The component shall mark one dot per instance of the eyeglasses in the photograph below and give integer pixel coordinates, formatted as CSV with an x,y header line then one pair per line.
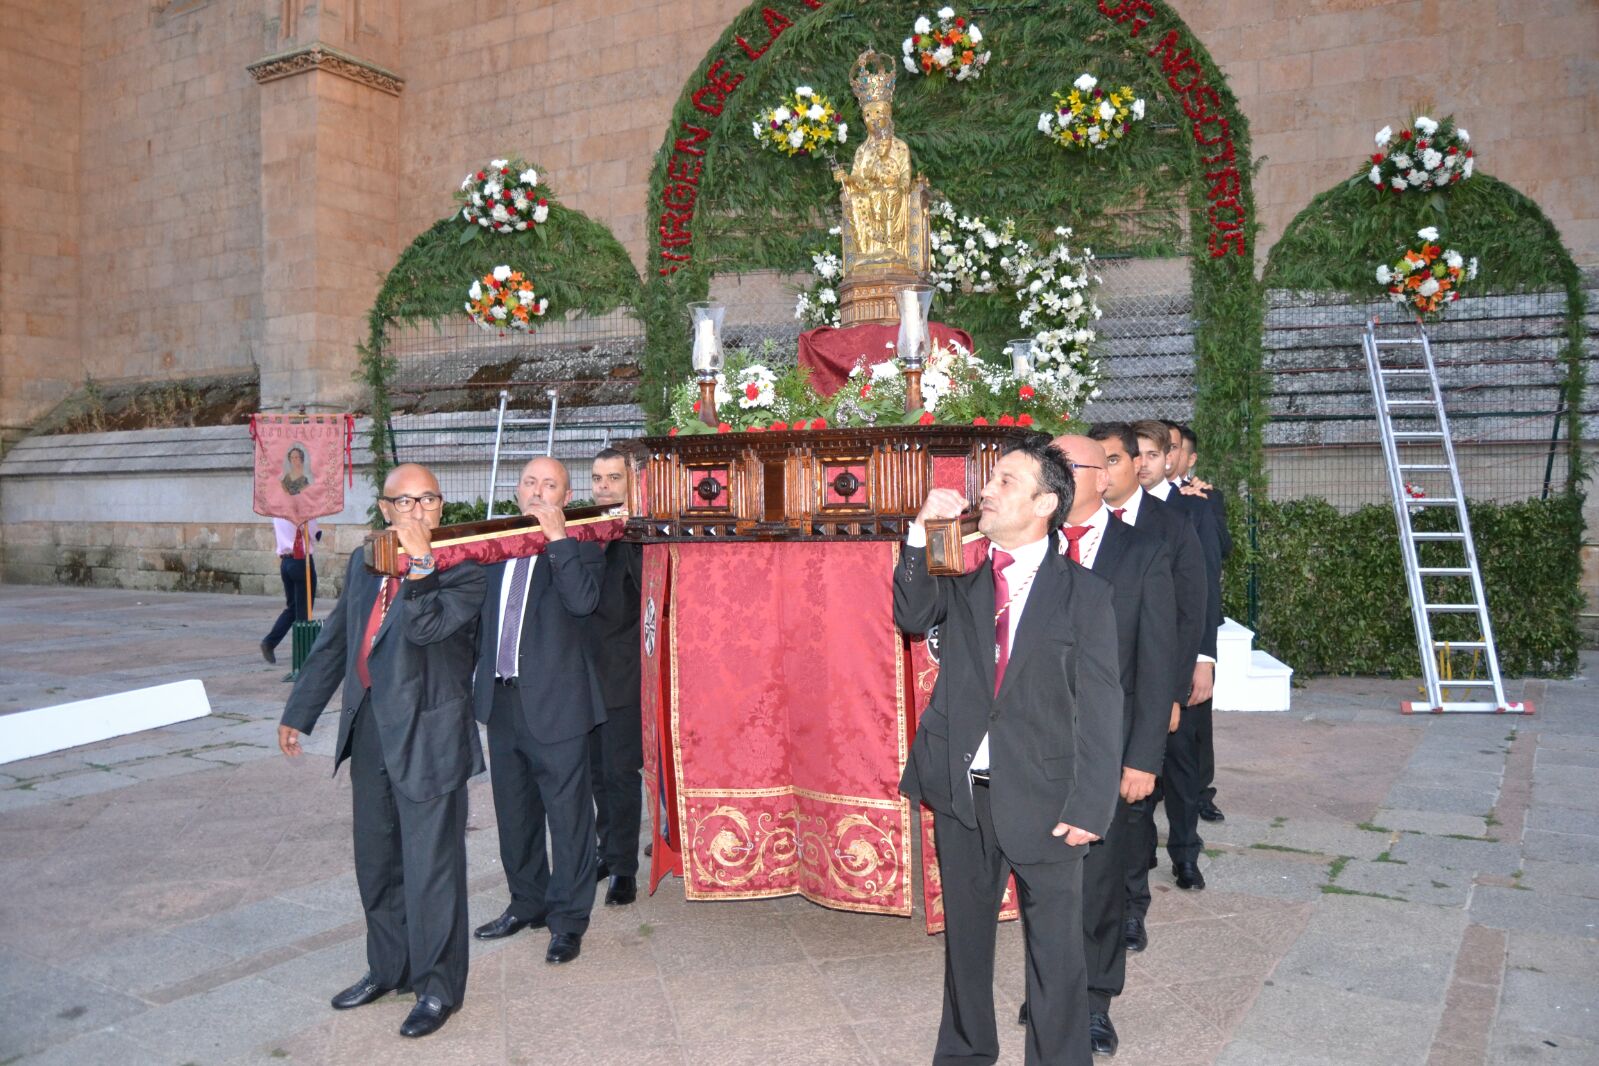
x,y
430,501
1084,466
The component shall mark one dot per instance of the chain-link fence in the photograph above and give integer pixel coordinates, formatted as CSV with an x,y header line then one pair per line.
x,y
447,386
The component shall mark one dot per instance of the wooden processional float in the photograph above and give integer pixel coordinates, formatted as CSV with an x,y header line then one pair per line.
x,y
493,540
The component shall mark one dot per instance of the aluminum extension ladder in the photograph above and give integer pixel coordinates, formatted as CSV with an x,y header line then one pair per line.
x,y
501,421
1409,390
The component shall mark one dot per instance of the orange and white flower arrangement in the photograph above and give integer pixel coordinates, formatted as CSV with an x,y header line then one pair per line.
x,y
502,197
950,48
1427,278
504,300
1428,155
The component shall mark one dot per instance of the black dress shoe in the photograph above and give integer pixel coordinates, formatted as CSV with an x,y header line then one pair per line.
x,y
361,993
1209,812
504,926
1022,1016
1188,875
428,1016
1101,1034
1134,934
268,653
564,947
602,871
623,890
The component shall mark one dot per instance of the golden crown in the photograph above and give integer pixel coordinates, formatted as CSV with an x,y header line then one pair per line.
x,y
872,78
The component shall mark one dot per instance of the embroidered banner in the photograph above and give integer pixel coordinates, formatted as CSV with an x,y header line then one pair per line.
x,y
660,788
301,463
788,724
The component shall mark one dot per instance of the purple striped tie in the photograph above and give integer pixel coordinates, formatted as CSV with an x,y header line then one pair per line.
x,y
511,623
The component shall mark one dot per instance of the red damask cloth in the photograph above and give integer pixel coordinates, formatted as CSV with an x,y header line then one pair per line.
x,y
776,725
831,351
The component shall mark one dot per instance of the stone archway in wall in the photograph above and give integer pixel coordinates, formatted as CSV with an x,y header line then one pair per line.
x,y
1179,187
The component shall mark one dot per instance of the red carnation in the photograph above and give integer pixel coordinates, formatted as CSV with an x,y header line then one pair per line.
x,y
1026,392
754,429
696,407
1024,419
723,427
979,421
960,22
926,419
866,391
1377,157
1404,135
480,175
776,427
505,170
1421,144
1006,420
1451,150
541,201
818,423
916,38
751,391
672,432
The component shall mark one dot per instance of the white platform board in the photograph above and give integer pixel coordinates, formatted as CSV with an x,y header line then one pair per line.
x,y
25,734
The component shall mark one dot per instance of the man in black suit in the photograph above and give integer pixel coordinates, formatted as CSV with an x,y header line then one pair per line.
x,y
1183,782
1139,567
1129,502
536,690
402,650
617,746
1019,751
1185,452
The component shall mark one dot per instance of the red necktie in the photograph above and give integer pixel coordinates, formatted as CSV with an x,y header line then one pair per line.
x,y
1073,535
374,622
1118,512
1001,560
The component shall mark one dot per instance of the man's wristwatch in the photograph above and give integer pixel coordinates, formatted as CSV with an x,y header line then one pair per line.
x,y
422,567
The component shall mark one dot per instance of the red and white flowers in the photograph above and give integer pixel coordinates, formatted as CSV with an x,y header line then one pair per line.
x,y
804,123
950,49
1428,155
502,197
1091,117
1428,277
505,300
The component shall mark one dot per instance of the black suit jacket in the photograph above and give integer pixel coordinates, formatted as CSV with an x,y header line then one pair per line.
x,y
1218,509
558,689
1138,567
1201,514
1054,729
1188,582
616,622
421,673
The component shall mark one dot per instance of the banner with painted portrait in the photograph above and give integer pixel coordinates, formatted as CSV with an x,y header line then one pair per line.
x,y
301,464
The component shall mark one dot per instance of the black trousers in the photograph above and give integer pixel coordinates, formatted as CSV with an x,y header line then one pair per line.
x,y
1183,779
296,597
545,807
1139,852
973,870
410,864
1207,756
1105,871
616,766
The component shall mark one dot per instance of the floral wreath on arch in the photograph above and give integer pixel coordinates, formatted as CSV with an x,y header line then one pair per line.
x,y
1054,288
502,197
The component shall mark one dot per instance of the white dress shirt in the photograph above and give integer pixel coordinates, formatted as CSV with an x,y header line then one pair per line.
x,y
1161,490
1025,561
1129,509
1088,545
505,594
285,530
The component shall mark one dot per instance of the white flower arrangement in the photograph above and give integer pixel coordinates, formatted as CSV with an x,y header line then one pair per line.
x,y
502,198
1424,156
950,48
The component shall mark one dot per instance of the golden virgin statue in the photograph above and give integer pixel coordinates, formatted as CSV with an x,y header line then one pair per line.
x,y
885,205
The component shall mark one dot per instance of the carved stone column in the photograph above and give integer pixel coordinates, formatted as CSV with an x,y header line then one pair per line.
x,y
329,182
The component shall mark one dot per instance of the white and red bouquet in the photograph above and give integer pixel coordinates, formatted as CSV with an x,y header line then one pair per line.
x,y
502,197
1428,155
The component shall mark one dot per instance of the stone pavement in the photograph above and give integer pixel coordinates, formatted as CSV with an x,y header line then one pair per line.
x,y
1385,890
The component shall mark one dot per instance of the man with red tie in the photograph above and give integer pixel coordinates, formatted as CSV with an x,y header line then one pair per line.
x,y
1018,752
402,648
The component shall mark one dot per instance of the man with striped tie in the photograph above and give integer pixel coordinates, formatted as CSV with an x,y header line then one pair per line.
x,y
537,691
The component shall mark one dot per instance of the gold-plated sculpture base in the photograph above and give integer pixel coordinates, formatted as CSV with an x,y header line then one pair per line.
x,y
873,298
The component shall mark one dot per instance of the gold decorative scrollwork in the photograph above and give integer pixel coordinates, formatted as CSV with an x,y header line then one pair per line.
x,y
728,851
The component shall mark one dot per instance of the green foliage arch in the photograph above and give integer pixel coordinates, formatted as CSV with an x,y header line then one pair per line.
x,y
573,260
978,144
